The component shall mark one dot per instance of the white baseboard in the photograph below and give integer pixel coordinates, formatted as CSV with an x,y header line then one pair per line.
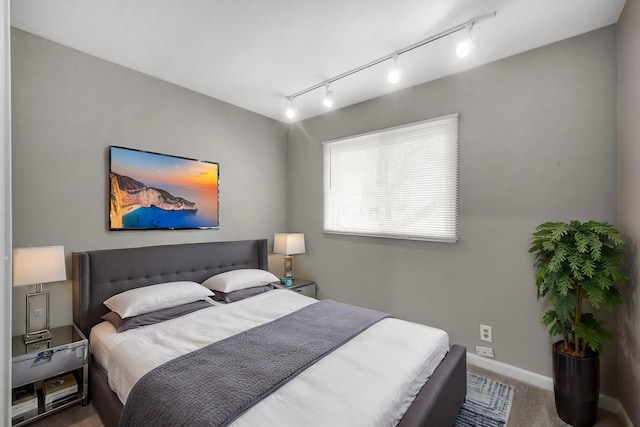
x,y
605,402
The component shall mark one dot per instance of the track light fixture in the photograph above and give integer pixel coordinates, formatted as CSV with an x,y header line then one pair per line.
x,y
465,46
328,97
291,110
394,75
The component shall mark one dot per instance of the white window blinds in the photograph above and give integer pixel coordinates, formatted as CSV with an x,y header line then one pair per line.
x,y
399,183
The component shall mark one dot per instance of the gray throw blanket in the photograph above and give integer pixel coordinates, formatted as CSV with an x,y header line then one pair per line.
x,y
214,385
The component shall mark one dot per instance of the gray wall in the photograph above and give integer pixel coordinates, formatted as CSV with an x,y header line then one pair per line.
x,y
68,108
629,203
537,143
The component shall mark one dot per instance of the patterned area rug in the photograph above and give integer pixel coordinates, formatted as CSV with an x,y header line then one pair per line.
x,y
488,403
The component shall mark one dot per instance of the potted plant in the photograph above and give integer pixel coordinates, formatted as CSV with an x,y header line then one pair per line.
x,y
577,262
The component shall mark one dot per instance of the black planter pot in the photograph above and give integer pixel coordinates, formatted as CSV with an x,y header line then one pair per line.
x,y
576,385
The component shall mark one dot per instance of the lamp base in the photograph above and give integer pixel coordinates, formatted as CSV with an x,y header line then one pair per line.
x,y
288,267
36,337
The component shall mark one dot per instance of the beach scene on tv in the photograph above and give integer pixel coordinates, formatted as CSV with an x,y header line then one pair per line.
x,y
158,191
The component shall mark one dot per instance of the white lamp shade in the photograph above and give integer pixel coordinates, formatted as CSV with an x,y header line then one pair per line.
x,y
288,243
38,265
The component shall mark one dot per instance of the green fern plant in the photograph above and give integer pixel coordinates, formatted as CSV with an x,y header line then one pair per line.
x,y
578,261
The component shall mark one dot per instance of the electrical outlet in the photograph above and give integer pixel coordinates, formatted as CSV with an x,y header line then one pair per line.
x,y
486,333
484,351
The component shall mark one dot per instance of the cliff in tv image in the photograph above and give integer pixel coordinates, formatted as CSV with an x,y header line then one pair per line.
x,y
127,195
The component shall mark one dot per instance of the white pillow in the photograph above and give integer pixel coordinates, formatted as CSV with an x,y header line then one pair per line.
x,y
156,297
235,280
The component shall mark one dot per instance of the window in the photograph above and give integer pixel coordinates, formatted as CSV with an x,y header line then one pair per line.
x,y
400,182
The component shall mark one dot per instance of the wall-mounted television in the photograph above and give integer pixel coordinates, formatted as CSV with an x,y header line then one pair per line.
x,y
153,191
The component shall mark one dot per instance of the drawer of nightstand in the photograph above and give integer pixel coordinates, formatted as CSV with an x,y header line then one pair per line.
x,y
30,367
309,290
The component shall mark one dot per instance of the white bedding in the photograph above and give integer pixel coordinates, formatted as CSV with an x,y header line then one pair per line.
x,y
371,380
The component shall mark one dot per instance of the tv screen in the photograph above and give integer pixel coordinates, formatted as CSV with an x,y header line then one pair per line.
x,y
150,191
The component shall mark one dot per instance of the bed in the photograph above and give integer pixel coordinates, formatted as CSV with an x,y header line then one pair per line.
x,y
98,275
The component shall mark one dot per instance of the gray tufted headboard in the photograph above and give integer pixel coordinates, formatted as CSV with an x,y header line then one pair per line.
x,y
97,275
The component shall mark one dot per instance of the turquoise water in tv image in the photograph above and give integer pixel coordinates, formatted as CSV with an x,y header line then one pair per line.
x,y
152,217
158,218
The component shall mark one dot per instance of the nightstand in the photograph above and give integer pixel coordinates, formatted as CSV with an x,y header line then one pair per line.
x,y
35,363
301,286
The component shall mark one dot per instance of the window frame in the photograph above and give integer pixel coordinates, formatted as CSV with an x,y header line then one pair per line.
x,y
380,140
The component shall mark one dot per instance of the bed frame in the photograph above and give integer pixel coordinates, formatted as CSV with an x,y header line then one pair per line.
x,y
97,275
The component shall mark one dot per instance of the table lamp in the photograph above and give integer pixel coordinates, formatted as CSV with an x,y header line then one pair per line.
x,y
288,244
37,266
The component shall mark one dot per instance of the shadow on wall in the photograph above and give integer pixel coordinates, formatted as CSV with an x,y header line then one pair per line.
x,y
630,318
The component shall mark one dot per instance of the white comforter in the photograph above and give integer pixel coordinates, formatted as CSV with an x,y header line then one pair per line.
x,y
369,381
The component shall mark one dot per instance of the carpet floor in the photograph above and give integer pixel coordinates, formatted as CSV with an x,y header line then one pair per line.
x,y
531,407
535,407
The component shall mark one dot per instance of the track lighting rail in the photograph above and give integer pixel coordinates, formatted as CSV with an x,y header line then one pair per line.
x,y
468,24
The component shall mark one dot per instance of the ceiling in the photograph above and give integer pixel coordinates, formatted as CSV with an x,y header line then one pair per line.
x,y
253,53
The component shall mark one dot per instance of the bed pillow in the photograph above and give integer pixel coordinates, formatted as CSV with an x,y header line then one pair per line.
x,y
241,294
156,297
122,325
236,280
